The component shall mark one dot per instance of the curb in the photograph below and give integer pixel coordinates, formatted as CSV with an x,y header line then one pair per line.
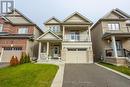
x,y
119,73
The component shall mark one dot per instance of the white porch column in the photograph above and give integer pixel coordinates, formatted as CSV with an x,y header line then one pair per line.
x,y
89,33
63,33
114,46
47,49
39,51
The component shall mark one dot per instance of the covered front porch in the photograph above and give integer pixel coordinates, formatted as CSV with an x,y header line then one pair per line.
x,y
49,46
49,50
117,50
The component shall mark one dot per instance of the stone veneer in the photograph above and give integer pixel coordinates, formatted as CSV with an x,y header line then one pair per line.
x,y
117,61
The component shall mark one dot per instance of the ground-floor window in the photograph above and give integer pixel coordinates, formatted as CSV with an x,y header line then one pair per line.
x,y
13,48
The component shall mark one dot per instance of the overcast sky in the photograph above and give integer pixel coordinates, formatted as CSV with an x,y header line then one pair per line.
x,y
41,10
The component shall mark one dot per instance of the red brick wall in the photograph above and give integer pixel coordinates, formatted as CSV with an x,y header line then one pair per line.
x,y
16,43
13,29
1,20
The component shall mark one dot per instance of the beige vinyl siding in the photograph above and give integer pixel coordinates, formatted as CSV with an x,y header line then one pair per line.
x,y
122,26
98,44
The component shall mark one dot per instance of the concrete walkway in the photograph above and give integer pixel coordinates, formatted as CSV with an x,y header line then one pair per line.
x,y
58,80
91,75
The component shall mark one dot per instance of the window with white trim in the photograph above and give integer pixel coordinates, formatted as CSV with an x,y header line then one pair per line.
x,y
74,36
1,27
54,28
23,30
114,26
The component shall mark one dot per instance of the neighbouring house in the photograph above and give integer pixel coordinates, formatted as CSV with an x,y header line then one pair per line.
x,y
111,38
69,40
17,34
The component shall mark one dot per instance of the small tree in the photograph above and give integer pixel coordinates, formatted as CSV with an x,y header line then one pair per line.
x,y
28,58
24,58
14,61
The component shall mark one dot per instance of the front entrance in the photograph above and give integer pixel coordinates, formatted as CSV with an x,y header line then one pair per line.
x,y
119,47
56,51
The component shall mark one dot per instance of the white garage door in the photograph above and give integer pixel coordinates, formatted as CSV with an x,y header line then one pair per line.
x,y
9,52
76,55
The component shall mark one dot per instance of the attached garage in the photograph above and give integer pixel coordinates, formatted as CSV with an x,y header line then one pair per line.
x,y
8,52
76,55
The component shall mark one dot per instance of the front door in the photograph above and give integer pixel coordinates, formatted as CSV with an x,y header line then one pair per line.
x,y
118,44
119,48
56,51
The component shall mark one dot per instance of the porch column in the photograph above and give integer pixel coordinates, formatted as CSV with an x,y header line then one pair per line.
x,y
47,49
39,51
89,33
63,35
114,46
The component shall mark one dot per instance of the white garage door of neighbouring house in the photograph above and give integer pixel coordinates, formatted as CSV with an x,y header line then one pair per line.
x,y
76,55
9,52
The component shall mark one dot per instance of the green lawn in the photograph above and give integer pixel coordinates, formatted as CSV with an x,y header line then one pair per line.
x,y
28,75
121,69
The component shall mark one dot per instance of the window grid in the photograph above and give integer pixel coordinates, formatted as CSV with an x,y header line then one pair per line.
x,y
1,27
114,26
23,30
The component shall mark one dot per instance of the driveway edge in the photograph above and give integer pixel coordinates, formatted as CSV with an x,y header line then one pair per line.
x,y
121,74
58,80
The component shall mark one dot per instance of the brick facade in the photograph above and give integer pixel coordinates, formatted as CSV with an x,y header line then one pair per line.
x,y
15,42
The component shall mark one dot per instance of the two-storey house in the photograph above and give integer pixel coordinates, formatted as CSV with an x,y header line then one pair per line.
x,y
68,40
111,37
17,35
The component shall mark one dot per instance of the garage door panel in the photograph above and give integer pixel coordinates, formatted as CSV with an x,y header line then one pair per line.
x,y
76,56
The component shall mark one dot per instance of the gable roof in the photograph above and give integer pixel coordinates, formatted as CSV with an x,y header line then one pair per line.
x,y
17,18
118,12
55,21
121,13
42,36
78,14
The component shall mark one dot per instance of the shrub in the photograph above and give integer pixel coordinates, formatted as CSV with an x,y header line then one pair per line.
x,y
14,61
24,58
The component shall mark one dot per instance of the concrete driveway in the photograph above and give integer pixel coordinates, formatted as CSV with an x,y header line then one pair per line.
x,y
91,75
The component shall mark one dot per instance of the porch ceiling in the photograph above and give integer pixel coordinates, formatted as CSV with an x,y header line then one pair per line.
x,y
118,35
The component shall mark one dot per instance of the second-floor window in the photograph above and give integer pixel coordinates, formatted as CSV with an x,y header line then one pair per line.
x,y
114,26
1,27
23,30
74,36
55,28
